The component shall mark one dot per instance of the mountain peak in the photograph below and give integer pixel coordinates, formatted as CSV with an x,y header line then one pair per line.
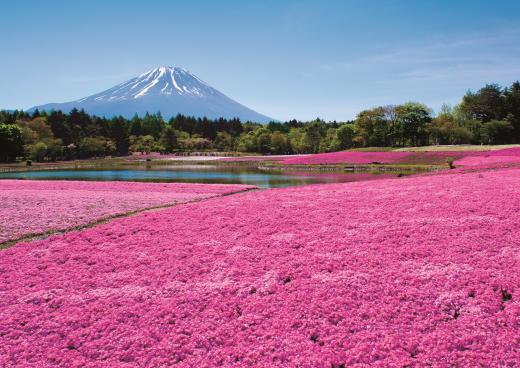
x,y
170,90
164,69
163,80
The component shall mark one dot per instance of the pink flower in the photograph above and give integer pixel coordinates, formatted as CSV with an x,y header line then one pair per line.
x,y
35,207
415,271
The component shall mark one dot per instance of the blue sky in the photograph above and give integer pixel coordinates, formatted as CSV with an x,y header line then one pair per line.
x,y
286,59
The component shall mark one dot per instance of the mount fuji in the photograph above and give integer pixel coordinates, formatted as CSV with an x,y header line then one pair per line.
x,y
170,90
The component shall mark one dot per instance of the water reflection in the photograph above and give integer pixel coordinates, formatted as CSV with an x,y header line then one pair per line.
x,y
199,174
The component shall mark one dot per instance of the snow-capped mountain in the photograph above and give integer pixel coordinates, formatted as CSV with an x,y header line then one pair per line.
x,y
170,90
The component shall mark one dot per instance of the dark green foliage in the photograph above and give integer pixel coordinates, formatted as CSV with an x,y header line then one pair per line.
x,y
169,139
153,125
496,132
344,137
485,105
11,142
118,132
512,105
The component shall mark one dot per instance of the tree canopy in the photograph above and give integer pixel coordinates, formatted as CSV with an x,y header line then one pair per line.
x,y
489,116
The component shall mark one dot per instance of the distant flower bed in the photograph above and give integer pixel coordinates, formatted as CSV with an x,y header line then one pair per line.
x,y
344,177
361,158
138,156
404,272
514,151
395,157
366,158
261,158
33,207
488,159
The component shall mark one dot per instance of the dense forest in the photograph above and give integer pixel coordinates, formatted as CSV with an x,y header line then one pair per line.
x,y
488,116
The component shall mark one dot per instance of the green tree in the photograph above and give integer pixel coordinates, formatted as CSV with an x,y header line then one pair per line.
x,y
143,144
224,141
512,97
372,127
275,126
119,135
344,137
496,132
314,132
169,139
195,143
11,142
279,143
489,103
412,120
39,126
29,135
136,126
246,142
95,146
448,128
54,148
328,141
298,142
38,151
153,125
263,140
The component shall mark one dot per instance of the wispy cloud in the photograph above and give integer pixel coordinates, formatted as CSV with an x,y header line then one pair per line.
x,y
492,56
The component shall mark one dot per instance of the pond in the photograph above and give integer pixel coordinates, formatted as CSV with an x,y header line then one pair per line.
x,y
199,174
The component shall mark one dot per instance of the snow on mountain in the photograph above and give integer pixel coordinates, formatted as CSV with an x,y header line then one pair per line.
x,y
170,90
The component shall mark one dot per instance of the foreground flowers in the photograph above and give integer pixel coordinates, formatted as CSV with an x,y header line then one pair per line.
x,y
400,272
35,207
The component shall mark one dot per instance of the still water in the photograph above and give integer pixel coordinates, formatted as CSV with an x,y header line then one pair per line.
x,y
198,174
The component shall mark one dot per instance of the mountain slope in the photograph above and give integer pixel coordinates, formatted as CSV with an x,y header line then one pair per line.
x,y
170,90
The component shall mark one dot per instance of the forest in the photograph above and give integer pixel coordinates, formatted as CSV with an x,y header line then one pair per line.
x,y
489,116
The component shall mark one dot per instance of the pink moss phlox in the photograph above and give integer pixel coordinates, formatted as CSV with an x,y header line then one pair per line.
x,y
31,207
411,272
497,158
347,157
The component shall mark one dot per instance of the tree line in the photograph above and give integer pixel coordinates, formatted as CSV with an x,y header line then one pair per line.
x,y
489,116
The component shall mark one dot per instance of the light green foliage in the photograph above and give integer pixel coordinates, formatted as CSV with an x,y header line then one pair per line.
x,y
224,141
298,141
143,144
195,143
38,151
279,143
95,146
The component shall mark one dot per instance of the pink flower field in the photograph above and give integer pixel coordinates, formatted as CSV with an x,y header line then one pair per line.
x,y
487,160
361,158
366,158
258,158
413,272
505,157
463,158
35,207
